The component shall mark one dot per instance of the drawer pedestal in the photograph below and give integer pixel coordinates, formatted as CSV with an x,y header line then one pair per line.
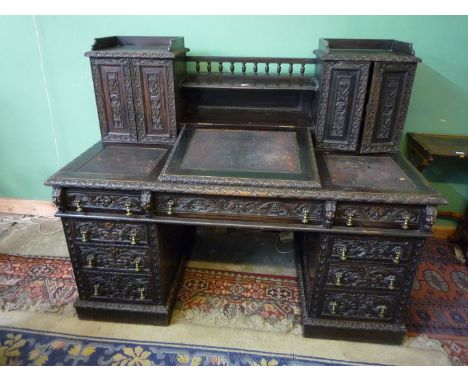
x,y
126,271
355,286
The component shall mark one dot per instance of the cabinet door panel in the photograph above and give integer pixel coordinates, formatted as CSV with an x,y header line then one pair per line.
x,y
154,93
388,103
341,105
114,99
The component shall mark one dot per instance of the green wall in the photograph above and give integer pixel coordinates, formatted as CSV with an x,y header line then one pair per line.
x,y
47,108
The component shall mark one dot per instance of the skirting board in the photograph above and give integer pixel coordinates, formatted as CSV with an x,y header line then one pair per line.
x,y
44,208
27,207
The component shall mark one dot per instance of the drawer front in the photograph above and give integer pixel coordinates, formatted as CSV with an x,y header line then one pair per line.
x,y
240,208
378,215
104,231
371,248
108,286
365,276
111,202
360,306
102,257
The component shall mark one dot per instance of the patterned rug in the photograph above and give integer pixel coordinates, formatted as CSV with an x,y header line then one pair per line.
x,y
26,347
438,306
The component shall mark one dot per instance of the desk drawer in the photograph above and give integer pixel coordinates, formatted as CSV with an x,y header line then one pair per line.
x,y
134,234
117,287
83,200
378,215
240,208
122,258
391,250
366,276
360,306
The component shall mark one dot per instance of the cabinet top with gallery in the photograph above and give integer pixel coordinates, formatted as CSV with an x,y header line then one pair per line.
x,y
137,46
366,49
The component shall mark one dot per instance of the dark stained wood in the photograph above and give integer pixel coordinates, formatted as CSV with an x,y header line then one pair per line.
x,y
244,157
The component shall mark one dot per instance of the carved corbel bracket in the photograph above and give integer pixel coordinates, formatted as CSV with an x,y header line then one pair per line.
x,y
58,198
146,202
329,213
428,218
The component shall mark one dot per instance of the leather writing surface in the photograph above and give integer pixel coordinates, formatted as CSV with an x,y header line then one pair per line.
x,y
243,150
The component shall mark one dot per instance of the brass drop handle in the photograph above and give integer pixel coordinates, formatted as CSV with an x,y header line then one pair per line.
x,y
142,293
77,204
391,282
170,205
338,277
90,261
305,215
84,234
96,289
133,237
406,220
333,307
398,253
128,208
382,311
343,252
349,221
137,265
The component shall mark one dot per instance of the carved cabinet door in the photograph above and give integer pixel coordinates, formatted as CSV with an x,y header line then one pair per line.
x,y
114,99
387,106
154,100
344,85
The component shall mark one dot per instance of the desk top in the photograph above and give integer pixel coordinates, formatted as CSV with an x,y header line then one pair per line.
x,y
382,178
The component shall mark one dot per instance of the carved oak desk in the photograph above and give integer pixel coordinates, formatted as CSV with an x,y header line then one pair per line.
x,y
184,145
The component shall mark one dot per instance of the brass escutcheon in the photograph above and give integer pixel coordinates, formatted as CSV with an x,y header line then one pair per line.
x,y
77,204
343,252
406,220
96,290
170,205
137,265
84,234
398,253
90,261
391,282
305,215
349,222
338,276
133,237
333,307
128,207
382,311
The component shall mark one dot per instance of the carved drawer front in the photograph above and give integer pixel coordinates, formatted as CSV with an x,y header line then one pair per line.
x,y
365,276
239,208
108,286
104,231
371,248
114,98
89,200
102,257
378,215
361,306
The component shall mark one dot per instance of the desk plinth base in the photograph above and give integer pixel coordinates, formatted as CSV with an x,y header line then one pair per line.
x,y
352,331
